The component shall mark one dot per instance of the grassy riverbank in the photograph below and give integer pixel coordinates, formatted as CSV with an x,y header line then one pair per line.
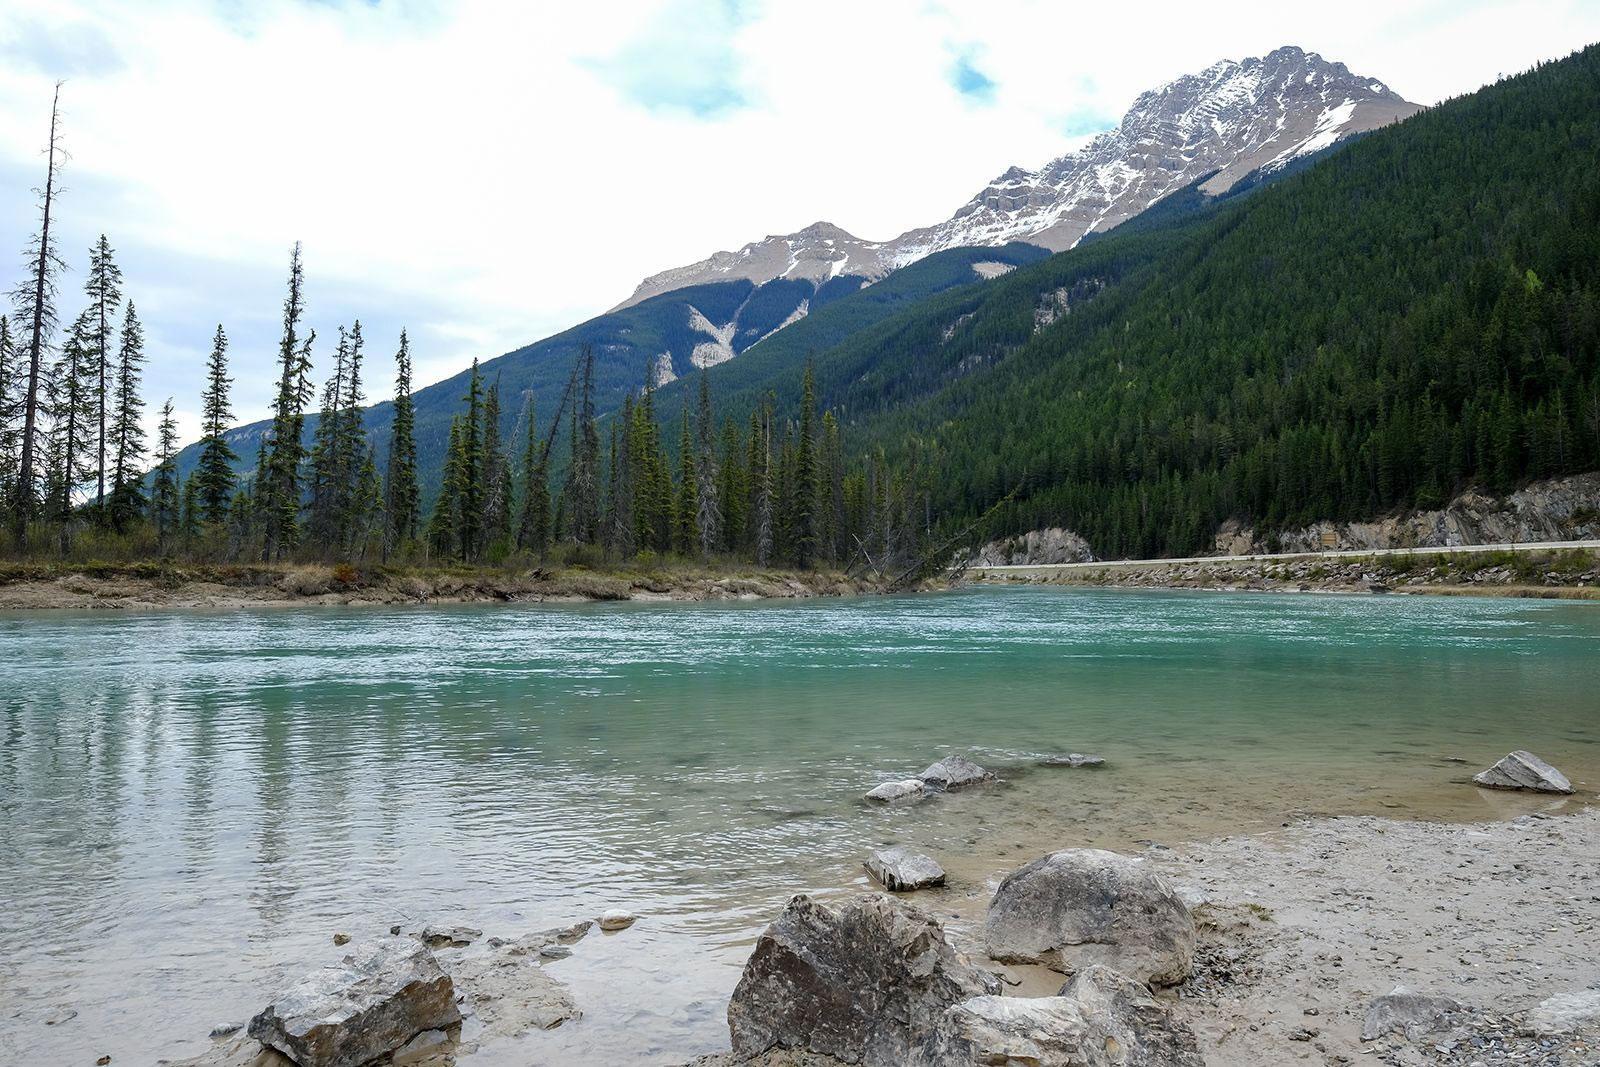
x,y
154,584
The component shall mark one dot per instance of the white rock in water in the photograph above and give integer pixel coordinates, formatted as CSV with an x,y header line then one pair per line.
x,y
1073,759
901,870
366,1007
1084,906
905,789
955,772
1524,770
617,919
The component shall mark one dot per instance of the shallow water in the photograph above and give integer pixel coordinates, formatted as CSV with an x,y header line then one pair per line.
x,y
191,803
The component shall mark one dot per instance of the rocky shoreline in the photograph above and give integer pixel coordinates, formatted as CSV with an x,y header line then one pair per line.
x,y
1328,941
1568,575
144,586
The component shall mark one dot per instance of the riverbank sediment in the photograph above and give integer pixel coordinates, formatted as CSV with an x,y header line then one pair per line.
x,y
162,585
1572,574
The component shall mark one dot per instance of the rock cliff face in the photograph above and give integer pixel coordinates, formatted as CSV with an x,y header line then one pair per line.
x,y
1561,509
1054,545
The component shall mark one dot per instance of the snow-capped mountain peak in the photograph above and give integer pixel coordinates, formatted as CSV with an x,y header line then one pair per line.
x,y
1227,121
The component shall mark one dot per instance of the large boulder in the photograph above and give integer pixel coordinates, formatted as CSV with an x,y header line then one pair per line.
x,y
901,870
372,1003
1412,1014
1524,770
1084,906
864,983
954,772
1099,1019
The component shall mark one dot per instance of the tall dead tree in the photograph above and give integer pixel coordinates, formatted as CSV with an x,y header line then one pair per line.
x,y
35,301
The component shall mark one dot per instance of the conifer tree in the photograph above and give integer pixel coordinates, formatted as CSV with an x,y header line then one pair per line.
x,y
444,525
36,318
708,515
215,467
761,479
279,481
470,514
496,476
104,288
622,528
127,428
71,406
368,521
533,527
8,413
164,503
804,475
401,492
686,531
732,493
586,459
329,490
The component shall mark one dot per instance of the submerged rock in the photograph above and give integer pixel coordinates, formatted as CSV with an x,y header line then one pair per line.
x,y
1524,770
1099,1019
449,936
865,983
512,994
955,772
905,789
1072,759
1084,906
365,1007
1412,1014
901,870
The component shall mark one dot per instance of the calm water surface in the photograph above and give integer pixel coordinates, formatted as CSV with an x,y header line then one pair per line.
x,y
192,803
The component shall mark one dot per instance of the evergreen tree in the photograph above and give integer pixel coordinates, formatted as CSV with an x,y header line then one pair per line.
x,y
164,504
708,515
9,406
533,527
686,530
496,476
190,512
804,489
36,317
368,521
761,480
215,467
732,491
70,402
401,492
279,481
104,289
330,489
444,525
622,527
470,509
585,459
127,428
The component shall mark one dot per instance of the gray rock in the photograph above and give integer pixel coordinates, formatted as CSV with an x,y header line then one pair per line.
x,y
865,983
511,994
1566,1012
901,870
955,772
905,789
355,1011
1524,770
1099,1019
1084,906
1072,759
449,936
1412,1014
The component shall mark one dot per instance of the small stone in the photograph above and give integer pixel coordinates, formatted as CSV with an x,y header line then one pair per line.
x,y
1523,770
905,789
102,1061
901,870
394,931
554,952
341,939
225,1030
617,919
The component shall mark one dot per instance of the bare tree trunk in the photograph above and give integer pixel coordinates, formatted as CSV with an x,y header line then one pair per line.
x,y
41,281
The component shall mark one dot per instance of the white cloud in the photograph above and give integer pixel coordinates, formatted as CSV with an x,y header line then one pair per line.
x,y
487,174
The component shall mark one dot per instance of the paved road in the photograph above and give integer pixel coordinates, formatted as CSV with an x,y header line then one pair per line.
x,y
1286,557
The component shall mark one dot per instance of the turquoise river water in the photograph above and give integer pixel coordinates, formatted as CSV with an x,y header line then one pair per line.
x,y
191,803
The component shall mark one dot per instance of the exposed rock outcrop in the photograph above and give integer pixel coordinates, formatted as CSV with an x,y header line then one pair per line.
x,y
1523,770
368,1006
1084,906
864,983
901,870
1054,545
1099,1019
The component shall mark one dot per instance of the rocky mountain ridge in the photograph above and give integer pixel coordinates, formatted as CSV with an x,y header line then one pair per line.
x,y
1230,120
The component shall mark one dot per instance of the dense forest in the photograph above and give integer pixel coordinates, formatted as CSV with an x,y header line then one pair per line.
x,y
1413,313
1417,313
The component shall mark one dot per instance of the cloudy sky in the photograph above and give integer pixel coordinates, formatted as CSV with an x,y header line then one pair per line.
x,y
485,174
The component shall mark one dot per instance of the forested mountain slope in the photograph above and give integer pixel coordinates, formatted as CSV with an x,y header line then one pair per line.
x,y
1415,313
